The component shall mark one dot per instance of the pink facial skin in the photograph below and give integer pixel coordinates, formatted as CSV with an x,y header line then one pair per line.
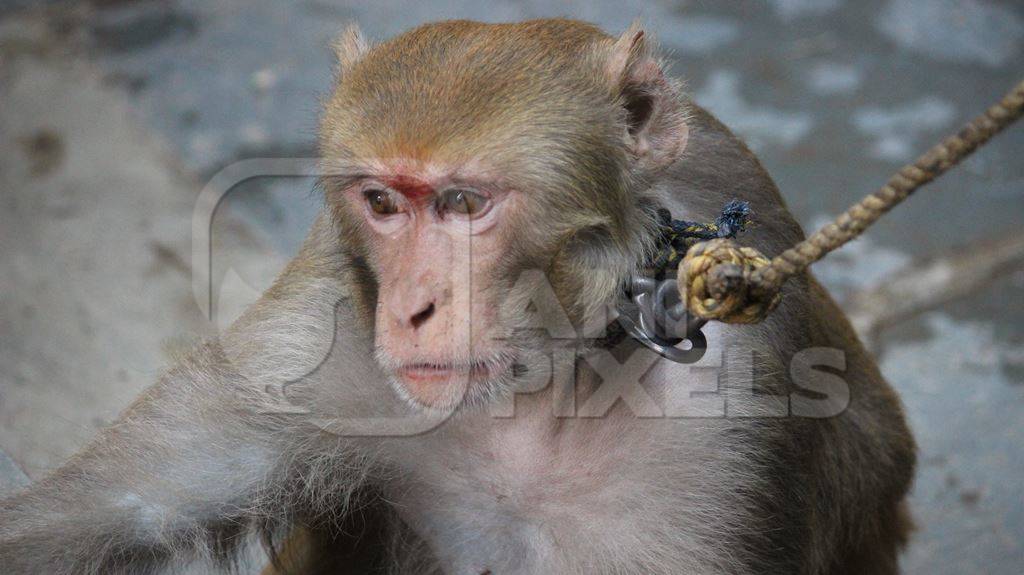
x,y
413,189
436,320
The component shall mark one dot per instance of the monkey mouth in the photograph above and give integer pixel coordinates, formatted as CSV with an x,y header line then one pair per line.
x,y
427,372
448,381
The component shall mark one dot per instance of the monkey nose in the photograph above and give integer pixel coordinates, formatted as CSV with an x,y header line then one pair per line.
x,y
419,318
413,303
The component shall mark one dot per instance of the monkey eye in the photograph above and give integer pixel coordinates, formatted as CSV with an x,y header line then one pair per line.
x,y
381,202
463,201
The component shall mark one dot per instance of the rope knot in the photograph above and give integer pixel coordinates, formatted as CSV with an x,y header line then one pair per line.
x,y
718,276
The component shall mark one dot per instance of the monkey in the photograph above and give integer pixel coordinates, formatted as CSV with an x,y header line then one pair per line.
x,y
423,388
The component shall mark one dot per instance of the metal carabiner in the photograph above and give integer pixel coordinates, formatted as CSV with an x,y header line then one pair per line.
x,y
661,321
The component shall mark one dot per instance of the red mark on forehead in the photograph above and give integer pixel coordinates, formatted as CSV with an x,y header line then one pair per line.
x,y
413,189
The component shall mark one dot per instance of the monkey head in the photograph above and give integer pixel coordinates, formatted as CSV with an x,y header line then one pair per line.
x,y
462,155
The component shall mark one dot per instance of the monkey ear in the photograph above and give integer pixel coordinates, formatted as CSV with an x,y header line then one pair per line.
x,y
656,129
351,46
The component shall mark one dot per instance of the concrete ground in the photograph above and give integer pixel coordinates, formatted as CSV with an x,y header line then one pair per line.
x,y
114,113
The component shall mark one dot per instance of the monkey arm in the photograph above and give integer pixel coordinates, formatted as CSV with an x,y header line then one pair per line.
x,y
203,455
180,470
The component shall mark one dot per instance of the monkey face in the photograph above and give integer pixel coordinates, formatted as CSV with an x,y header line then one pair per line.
x,y
470,160
434,238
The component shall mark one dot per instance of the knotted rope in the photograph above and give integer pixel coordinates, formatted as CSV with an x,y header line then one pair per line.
x,y
722,281
678,236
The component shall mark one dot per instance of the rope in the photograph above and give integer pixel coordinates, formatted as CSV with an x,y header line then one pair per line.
x,y
678,236
734,284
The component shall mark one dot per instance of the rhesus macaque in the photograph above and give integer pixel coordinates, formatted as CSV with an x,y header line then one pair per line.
x,y
418,392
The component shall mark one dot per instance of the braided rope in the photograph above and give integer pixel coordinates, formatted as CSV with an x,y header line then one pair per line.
x,y
739,285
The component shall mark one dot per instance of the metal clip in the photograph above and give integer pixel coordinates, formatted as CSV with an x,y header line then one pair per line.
x,y
657,318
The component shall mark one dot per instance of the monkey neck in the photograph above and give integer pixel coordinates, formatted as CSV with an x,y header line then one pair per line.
x,y
614,337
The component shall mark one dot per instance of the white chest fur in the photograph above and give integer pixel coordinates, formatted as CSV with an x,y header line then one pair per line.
x,y
539,494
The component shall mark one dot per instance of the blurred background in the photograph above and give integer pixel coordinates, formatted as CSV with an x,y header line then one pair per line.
x,y
115,113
